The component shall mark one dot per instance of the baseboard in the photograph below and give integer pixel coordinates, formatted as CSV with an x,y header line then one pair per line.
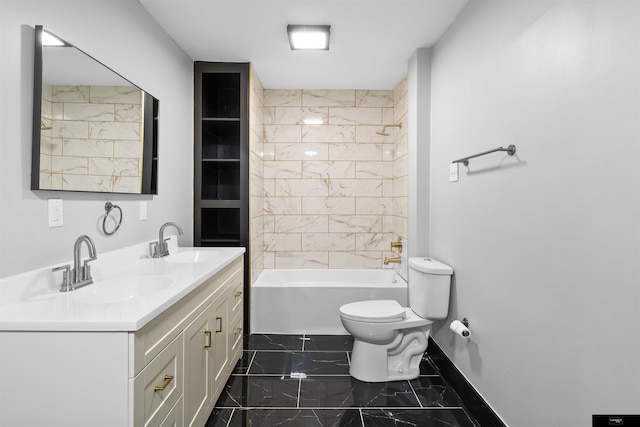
x,y
475,404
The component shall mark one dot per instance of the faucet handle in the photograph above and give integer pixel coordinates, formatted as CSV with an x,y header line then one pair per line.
x,y
397,245
86,269
153,249
66,282
164,247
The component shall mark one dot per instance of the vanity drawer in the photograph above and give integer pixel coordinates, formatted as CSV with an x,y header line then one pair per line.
x,y
158,388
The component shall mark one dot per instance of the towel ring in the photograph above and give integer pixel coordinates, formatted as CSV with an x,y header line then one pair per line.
x,y
109,207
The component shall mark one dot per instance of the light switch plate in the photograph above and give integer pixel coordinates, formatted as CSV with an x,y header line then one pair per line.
x,y
143,211
55,212
453,172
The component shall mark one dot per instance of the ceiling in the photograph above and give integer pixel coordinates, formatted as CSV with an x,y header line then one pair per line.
x,y
371,40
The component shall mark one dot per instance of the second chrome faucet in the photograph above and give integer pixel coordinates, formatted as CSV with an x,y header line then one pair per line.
x,y
161,248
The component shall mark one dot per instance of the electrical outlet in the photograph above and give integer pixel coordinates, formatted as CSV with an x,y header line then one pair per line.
x,y
143,211
55,212
453,172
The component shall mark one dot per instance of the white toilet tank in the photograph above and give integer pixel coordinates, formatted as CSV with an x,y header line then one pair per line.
x,y
429,287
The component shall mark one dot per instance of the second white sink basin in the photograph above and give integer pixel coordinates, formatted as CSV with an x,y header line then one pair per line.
x,y
122,289
192,257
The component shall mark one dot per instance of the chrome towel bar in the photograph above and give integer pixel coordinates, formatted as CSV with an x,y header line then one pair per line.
x,y
511,150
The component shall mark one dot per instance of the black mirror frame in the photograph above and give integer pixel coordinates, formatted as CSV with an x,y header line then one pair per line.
x,y
150,138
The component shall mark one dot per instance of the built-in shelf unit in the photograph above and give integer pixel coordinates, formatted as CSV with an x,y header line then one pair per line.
x,y
221,162
221,146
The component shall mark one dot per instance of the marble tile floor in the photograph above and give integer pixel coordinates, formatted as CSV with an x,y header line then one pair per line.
x,y
300,380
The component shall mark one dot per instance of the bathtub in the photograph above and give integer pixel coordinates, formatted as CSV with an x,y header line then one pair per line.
x,y
307,301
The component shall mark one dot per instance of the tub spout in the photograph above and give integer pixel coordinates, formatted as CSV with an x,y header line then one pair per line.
x,y
396,260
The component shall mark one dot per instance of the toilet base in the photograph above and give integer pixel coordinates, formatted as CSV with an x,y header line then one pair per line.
x,y
399,360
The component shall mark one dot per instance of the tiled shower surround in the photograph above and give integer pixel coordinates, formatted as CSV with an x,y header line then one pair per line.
x,y
95,140
334,191
256,172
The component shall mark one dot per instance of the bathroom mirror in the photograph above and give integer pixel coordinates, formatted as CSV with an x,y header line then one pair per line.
x,y
93,130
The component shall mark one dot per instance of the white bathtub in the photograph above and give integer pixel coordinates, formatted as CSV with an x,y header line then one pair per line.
x,y
307,301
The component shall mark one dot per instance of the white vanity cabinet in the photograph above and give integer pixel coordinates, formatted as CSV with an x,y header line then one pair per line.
x,y
170,372
197,329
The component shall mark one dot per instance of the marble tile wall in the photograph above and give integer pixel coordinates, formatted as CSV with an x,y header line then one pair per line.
x,y
400,163
333,195
95,140
256,174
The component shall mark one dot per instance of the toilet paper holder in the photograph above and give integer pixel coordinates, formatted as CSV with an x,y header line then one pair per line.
x,y
461,328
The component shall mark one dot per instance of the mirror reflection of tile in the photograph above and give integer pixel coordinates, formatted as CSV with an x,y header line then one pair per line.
x,y
92,138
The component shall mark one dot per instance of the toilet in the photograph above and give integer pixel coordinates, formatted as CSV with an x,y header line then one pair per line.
x,y
390,340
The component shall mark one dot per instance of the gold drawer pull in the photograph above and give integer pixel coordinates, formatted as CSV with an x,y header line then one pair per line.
x,y
167,380
238,331
219,321
238,293
207,339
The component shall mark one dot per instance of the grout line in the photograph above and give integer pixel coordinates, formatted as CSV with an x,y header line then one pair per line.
x,y
251,362
233,411
415,394
287,375
361,416
304,336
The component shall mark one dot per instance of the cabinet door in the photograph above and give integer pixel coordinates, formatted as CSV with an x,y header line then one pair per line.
x,y
221,342
174,419
159,386
198,357
235,342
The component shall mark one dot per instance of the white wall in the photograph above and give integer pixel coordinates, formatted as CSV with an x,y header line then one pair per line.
x,y
545,245
122,35
419,124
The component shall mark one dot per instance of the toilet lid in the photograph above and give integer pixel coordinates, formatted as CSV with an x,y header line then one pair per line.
x,y
374,311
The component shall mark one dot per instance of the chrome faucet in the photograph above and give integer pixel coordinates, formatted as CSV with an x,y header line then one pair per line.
x,y
81,274
161,248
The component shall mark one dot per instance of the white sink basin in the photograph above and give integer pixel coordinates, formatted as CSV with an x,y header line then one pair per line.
x,y
192,257
122,289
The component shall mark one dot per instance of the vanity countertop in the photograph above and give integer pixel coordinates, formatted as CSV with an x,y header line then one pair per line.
x,y
125,295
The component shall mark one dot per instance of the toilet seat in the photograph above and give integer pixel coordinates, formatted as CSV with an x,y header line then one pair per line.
x,y
375,311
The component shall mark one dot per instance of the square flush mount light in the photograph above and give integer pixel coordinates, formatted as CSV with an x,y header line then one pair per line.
x,y
309,37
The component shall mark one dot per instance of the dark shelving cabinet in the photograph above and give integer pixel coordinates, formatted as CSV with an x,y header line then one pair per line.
x,y
221,158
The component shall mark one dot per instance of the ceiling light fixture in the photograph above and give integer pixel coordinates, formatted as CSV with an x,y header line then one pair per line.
x,y
309,37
